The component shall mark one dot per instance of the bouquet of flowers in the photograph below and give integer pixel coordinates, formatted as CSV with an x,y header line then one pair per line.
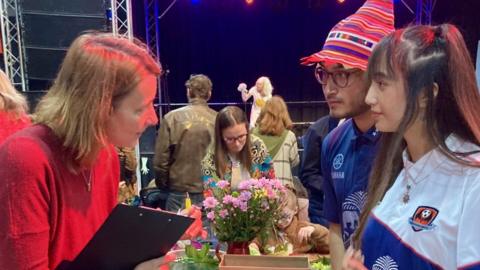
x,y
240,215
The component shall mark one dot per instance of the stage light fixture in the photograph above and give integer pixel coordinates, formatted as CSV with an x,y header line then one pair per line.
x,y
340,1
249,2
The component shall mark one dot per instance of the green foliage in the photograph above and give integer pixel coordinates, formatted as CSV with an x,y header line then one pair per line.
x,y
322,263
202,256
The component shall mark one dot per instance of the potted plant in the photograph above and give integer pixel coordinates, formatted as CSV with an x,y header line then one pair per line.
x,y
238,216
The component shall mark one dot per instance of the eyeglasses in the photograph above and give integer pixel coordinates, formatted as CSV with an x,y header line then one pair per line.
x,y
339,77
235,139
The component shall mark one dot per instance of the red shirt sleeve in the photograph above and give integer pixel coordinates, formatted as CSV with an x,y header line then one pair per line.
x,y
24,222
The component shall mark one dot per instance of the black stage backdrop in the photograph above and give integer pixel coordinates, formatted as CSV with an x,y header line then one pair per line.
x,y
233,42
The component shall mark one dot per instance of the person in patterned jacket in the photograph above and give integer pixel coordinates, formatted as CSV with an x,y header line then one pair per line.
x,y
236,154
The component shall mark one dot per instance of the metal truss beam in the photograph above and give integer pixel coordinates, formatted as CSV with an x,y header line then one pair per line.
x,y
122,18
152,31
424,10
12,41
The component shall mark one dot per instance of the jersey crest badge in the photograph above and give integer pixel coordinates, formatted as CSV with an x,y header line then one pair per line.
x,y
423,218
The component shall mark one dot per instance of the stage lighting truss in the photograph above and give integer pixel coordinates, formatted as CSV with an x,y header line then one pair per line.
x,y
12,42
151,10
423,14
423,11
122,18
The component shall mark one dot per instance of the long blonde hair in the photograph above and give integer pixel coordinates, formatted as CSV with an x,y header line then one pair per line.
x,y
274,117
98,71
11,100
267,86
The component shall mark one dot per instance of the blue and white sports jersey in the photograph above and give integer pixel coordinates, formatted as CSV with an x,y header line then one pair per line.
x,y
439,226
347,157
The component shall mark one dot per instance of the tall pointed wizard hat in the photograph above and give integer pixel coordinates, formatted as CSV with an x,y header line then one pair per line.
x,y
351,41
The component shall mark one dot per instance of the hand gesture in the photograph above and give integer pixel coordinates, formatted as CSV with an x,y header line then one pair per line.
x,y
353,260
305,233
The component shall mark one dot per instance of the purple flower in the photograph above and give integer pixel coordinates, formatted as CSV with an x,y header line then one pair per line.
x,y
245,195
210,202
223,184
228,199
243,206
223,213
211,215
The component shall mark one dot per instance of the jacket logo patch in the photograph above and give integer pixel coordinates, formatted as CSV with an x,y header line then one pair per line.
x,y
423,218
338,161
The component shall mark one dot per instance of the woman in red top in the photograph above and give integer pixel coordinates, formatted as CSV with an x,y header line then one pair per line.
x,y
13,109
60,176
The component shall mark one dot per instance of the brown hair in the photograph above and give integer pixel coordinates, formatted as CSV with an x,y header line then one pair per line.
x,y
11,100
98,71
229,117
200,86
274,117
424,56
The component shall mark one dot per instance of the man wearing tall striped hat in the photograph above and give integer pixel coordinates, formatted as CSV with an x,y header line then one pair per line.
x,y
348,151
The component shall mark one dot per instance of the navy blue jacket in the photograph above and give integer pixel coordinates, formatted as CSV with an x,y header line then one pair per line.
x,y
347,157
310,167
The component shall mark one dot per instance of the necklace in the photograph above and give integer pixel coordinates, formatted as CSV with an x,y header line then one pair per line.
x,y
88,180
408,186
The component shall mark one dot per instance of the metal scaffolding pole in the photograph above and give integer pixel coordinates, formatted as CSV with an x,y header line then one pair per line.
x,y
12,41
152,31
122,18
423,12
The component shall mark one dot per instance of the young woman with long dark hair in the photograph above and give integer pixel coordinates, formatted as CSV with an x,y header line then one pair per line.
x,y
236,154
425,184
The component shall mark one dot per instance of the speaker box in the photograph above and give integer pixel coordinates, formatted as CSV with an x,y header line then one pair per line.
x,y
50,26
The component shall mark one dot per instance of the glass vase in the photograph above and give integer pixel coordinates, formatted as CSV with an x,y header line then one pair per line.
x,y
239,248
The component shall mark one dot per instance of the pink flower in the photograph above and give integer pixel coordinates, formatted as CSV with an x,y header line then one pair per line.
x,y
236,202
223,184
246,184
277,184
228,199
211,215
263,182
210,203
270,193
223,213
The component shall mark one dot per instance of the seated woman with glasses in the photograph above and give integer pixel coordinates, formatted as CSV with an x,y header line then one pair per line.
x,y
235,155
